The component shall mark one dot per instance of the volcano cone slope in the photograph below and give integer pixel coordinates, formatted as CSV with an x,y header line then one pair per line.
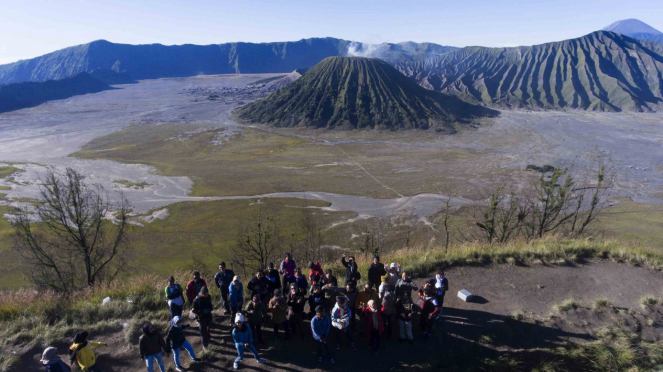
x,y
360,93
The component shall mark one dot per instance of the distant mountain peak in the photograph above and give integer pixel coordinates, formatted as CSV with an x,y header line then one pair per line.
x,y
630,27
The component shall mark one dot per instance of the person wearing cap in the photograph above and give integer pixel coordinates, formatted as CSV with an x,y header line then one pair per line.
x,y
351,271
194,286
236,297
222,279
202,308
52,362
320,327
243,340
259,286
315,275
394,273
287,269
375,272
404,285
82,351
256,311
341,316
151,347
278,306
274,278
374,324
174,297
176,340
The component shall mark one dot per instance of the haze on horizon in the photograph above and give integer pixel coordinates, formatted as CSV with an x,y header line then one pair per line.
x,y
36,27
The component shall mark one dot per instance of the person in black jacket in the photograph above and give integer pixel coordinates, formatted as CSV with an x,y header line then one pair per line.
x,y
222,279
296,302
375,271
203,307
176,340
274,278
259,286
317,298
404,312
151,346
351,272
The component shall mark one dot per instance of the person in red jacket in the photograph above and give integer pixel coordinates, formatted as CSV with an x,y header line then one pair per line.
x,y
315,275
374,324
194,287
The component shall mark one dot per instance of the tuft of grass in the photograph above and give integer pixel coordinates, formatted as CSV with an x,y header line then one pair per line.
x,y
648,300
522,316
8,362
7,171
567,305
601,304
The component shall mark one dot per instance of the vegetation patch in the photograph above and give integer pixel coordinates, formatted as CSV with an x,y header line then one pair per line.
x,y
6,171
132,185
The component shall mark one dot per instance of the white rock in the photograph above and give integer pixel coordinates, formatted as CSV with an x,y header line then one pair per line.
x,y
106,301
464,295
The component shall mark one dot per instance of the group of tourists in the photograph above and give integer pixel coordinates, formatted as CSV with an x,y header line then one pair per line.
x,y
280,297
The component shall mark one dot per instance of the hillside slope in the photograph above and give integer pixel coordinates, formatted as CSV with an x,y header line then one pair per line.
x,y
352,92
600,71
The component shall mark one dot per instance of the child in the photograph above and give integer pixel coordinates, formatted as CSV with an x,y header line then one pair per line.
x,y
429,311
341,320
374,324
256,311
389,310
51,361
404,313
81,352
176,340
151,346
243,340
317,298
441,286
236,297
320,327
296,302
278,306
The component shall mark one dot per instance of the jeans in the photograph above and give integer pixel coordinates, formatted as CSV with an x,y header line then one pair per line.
x,y
286,328
224,299
176,353
405,330
340,332
240,352
205,324
375,339
149,361
325,346
175,310
440,302
426,324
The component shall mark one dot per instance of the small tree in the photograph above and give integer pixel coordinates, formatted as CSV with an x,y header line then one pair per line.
x,y
258,242
550,204
80,239
307,240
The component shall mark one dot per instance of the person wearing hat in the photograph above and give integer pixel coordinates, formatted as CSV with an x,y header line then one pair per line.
x,y
274,278
175,297
222,279
256,311
52,362
194,286
375,272
236,297
320,327
243,340
202,308
374,324
278,306
82,351
287,269
151,346
341,316
176,340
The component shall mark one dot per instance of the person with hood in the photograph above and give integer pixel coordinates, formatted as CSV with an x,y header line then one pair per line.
x,y
274,278
194,286
429,312
383,285
243,340
256,311
176,340
300,280
287,269
351,271
236,297
222,280
202,308
315,275
317,298
350,292
174,297
278,306
404,312
320,327
393,274
82,351
341,320
404,285
52,362
374,324
296,302
375,272
259,286
151,347
363,297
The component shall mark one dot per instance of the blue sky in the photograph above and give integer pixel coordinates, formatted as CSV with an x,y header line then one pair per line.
x,y
34,27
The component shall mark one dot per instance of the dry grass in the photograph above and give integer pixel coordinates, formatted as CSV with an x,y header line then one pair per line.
x,y
566,305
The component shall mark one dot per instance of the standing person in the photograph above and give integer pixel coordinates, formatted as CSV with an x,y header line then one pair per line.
x,y
151,347
341,320
351,271
374,324
429,311
287,269
388,310
259,285
222,279
194,286
383,285
274,278
176,340
329,281
375,272
296,302
236,296
394,273
52,362
256,311
175,297
350,292
203,307
404,285
317,298
404,313
300,280
81,351
278,306
320,327
363,297
441,287
315,275
243,340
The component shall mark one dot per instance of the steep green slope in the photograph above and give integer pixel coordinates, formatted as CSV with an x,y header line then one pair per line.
x,y
352,92
600,71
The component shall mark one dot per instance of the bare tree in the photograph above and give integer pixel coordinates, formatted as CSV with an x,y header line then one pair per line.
x,y
307,241
551,204
80,239
258,242
583,219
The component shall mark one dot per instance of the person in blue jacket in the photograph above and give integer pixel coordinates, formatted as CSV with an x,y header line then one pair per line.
x,y
243,340
236,297
320,326
51,361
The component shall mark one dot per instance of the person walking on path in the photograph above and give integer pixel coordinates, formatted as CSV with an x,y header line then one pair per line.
x,y
320,327
404,313
82,351
278,306
194,286
287,269
341,320
176,340
151,347
351,271
236,297
202,308
175,297
52,362
375,272
243,340
222,280
374,324
256,311
405,285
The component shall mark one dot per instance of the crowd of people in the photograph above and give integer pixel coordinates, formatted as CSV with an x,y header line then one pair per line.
x,y
383,307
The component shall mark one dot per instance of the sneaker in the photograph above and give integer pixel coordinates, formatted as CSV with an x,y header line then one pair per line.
x,y
261,361
331,360
320,359
179,369
235,365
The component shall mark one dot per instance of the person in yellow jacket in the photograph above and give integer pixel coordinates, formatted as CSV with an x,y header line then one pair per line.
x,y
82,352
